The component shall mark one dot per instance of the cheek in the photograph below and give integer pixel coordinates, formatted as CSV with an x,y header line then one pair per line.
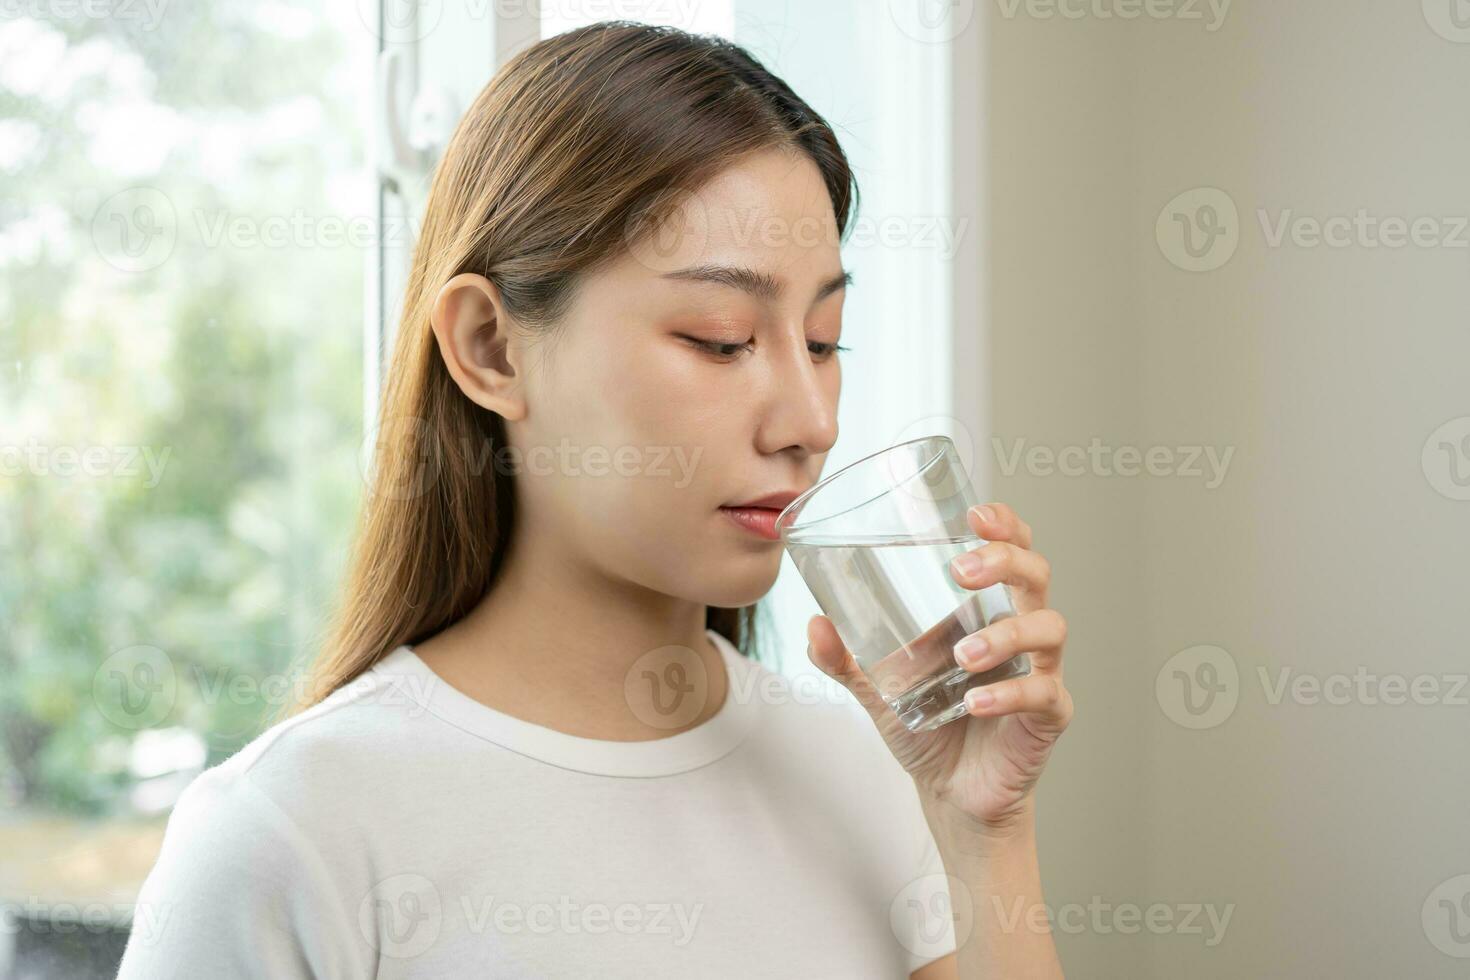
x,y
653,415
661,394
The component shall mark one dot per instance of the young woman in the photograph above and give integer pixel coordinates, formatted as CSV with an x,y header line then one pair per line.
x,y
536,744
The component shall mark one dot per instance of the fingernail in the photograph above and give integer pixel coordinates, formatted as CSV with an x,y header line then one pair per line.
x,y
971,649
984,513
968,564
980,698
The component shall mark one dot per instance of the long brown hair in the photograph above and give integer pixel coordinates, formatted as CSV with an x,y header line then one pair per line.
x,y
576,140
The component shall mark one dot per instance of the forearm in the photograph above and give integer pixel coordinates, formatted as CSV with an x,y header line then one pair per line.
x,y
1009,933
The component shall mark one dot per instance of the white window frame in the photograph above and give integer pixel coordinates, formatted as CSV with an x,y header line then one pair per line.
x,y
440,53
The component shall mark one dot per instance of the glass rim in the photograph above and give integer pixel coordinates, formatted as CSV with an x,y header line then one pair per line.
x,y
785,528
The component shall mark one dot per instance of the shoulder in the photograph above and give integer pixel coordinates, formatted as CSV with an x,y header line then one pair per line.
x,y
317,762
261,858
222,822
238,890
277,806
252,808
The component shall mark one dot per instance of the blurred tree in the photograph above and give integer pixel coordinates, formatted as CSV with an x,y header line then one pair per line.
x,y
184,212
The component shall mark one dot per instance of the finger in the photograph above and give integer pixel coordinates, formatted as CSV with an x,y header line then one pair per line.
x,y
825,648
1041,634
996,521
1001,561
830,655
1042,695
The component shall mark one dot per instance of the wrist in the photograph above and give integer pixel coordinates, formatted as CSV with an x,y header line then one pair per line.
x,y
959,831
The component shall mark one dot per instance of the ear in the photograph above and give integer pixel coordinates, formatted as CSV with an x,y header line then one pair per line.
x,y
478,347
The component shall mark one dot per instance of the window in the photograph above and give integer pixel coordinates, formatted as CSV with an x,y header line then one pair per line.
x,y
184,227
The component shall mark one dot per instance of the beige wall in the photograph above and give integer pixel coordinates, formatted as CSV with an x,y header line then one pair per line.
x,y
1328,549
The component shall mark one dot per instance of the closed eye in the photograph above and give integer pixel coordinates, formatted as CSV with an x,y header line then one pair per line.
x,y
719,348
730,351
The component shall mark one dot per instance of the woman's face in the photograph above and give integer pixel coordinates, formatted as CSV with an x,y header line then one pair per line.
x,y
695,372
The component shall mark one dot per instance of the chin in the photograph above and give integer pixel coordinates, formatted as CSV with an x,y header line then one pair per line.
x,y
743,582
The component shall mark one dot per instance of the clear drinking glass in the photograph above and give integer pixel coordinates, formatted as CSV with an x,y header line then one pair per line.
x,y
873,542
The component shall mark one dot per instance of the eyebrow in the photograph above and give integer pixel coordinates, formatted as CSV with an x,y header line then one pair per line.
x,y
761,285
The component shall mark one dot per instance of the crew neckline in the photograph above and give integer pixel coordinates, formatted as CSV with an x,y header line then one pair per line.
x,y
712,739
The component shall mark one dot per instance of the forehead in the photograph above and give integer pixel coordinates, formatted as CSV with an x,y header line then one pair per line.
x,y
768,211
772,198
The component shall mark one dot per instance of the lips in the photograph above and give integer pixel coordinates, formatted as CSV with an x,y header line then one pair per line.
x,y
758,516
774,501
757,520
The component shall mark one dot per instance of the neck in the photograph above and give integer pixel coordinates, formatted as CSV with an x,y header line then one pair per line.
x,y
555,642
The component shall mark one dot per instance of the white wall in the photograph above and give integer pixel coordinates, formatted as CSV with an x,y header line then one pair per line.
x,y
1329,549
1064,351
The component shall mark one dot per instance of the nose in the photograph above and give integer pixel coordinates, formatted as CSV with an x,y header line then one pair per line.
x,y
801,404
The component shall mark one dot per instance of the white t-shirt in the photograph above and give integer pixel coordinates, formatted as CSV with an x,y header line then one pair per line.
x,y
402,829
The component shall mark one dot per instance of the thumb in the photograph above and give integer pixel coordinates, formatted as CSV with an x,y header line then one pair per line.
x,y
830,655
